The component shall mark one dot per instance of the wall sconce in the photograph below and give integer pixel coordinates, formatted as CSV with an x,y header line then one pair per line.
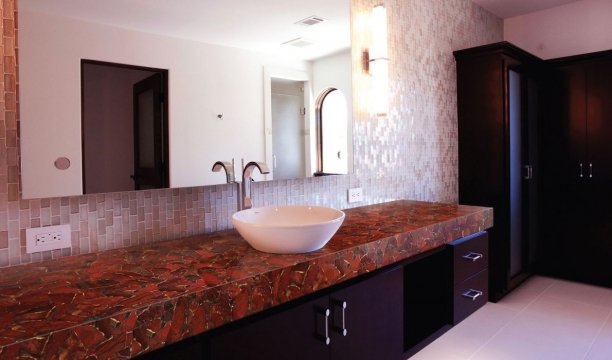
x,y
379,62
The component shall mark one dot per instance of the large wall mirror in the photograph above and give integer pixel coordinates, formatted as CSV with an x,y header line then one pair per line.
x,y
241,81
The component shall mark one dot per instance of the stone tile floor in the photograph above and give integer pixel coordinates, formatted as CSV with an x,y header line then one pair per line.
x,y
543,319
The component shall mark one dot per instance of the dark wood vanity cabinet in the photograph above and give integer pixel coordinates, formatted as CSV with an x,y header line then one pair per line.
x,y
498,89
577,154
389,314
470,258
360,321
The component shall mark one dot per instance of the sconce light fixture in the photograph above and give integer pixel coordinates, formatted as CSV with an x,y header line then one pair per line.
x,y
379,62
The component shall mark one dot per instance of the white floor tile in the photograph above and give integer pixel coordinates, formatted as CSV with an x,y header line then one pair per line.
x,y
551,334
589,294
543,319
602,346
440,350
527,292
583,316
469,335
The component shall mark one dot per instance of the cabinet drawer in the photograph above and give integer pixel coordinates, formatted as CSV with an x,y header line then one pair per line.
x,y
470,295
470,256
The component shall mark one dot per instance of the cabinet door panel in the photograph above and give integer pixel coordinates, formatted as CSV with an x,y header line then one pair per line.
x,y
596,241
574,124
564,149
373,319
592,249
290,334
470,256
465,296
599,124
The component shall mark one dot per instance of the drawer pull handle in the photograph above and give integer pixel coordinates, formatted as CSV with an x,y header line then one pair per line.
x,y
325,312
472,294
472,256
342,305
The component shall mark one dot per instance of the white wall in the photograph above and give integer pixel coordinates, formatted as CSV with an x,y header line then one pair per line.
x,y
204,80
335,71
576,28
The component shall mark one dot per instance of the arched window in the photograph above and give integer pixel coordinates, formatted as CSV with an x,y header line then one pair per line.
x,y
332,132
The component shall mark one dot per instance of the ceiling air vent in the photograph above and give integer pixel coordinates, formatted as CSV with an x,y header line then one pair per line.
x,y
311,20
299,42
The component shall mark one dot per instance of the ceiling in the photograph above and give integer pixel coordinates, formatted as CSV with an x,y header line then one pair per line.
x,y
261,25
510,8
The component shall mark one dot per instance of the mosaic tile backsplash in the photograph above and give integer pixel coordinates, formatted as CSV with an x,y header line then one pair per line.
x,y
410,154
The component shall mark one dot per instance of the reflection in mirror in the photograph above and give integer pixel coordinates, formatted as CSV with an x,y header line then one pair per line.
x,y
332,125
216,54
124,127
288,117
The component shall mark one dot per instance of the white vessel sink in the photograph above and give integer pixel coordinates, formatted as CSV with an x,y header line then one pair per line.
x,y
288,229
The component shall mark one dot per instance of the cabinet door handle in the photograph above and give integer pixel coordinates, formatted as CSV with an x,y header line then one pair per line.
x,y
325,312
590,170
581,170
472,294
342,305
472,256
528,172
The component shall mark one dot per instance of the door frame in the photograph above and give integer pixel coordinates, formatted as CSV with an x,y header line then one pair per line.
x,y
270,72
526,185
165,137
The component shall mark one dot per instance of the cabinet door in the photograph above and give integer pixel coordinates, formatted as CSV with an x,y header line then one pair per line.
x,y
596,242
565,169
373,319
577,202
295,333
599,124
483,171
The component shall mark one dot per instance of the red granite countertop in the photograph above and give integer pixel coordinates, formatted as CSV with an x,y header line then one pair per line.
x,y
124,302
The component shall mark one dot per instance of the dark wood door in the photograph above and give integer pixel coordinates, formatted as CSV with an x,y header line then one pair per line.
x,y
295,333
579,172
149,167
565,170
596,251
373,319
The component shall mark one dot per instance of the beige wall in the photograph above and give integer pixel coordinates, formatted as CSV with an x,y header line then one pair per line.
x,y
572,29
410,154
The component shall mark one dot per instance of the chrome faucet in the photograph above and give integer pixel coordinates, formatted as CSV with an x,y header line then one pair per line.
x,y
229,170
247,171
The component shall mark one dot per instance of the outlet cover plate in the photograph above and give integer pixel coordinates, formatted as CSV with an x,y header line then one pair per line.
x,y
48,238
355,195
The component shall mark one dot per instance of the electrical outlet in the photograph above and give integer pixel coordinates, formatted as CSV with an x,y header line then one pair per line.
x,y
355,195
47,238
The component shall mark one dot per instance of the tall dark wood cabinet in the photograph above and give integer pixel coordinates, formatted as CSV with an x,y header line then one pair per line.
x,y
498,89
577,153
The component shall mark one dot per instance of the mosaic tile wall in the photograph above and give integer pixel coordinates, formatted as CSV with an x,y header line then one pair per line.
x,y
411,154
